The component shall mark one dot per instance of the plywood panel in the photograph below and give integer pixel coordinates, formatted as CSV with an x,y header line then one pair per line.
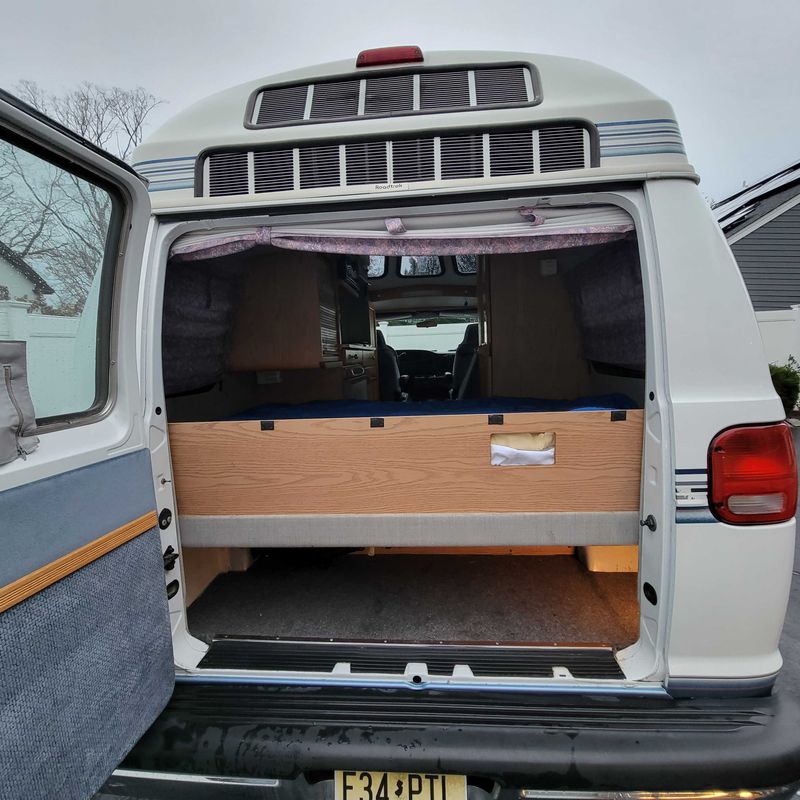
x,y
435,464
280,313
534,338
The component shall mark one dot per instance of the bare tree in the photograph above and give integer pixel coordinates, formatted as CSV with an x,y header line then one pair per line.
x,y
108,116
57,220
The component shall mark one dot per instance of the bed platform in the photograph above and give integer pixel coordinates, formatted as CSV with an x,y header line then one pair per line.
x,y
285,477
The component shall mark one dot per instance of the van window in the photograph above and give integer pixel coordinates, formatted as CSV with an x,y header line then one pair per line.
x,y
433,332
55,228
419,266
377,267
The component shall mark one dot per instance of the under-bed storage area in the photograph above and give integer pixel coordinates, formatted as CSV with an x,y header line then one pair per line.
x,y
376,445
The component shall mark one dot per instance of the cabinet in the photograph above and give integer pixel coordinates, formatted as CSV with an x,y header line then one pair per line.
x,y
286,316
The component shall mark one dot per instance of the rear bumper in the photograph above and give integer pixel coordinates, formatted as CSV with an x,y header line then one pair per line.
x,y
282,741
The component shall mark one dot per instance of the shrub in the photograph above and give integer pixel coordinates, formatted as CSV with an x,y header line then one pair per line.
x,y
786,380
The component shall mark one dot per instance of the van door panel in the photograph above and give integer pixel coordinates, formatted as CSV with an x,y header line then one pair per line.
x,y
85,645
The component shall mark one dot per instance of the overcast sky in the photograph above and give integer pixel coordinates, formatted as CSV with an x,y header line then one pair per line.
x,y
729,67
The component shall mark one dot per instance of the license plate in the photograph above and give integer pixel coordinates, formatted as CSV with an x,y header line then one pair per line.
x,y
354,785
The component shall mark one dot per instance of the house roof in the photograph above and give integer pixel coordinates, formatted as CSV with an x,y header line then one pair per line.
x,y
40,285
752,202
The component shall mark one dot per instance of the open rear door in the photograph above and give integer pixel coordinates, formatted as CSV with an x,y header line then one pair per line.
x,y
85,648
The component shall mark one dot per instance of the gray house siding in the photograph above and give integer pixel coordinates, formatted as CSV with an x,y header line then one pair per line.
x,y
769,259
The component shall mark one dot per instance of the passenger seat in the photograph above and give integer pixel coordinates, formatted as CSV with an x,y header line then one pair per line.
x,y
466,373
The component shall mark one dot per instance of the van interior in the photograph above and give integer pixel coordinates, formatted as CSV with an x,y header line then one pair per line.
x,y
408,447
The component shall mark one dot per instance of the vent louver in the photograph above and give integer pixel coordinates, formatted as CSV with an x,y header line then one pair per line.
x,y
393,94
560,148
503,85
418,92
273,171
475,156
511,152
462,156
412,160
332,100
279,106
319,166
444,90
366,163
227,174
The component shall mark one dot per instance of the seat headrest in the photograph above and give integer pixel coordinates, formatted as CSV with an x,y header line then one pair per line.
x,y
471,334
379,340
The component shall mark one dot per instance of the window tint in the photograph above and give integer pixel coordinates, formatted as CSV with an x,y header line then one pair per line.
x,y
54,232
418,266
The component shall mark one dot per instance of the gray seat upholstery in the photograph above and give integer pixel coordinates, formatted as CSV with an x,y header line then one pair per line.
x,y
388,370
466,374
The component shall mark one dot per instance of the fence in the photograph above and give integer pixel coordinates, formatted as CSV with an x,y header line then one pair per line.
x,y
780,333
58,351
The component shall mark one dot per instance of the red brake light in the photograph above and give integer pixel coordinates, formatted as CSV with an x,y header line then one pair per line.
x,y
752,474
381,56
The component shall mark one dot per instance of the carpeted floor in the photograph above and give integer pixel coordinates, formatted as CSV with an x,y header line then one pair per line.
x,y
544,599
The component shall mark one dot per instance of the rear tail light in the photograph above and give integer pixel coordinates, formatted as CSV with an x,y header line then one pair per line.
x,y
752,474
381,56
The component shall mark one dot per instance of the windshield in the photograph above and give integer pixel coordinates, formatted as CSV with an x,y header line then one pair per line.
x,y
439,333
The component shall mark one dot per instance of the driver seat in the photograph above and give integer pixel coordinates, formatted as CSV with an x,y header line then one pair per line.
x,y
388,370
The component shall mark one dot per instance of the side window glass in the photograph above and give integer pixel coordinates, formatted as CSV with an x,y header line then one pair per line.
x,y
55,230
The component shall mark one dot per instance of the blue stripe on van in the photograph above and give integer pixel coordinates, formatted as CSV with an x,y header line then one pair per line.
x,y
636,122
694,516
185,185
162,160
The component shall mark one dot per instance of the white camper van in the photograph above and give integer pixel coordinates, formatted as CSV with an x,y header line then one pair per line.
x,y
402,426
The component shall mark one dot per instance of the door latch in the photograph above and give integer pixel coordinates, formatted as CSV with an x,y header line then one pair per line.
x,y
649,522
170,557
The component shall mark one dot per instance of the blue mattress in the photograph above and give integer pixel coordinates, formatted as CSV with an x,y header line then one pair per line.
x,y
322,409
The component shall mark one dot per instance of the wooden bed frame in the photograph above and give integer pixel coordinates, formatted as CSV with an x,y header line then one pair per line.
x,y
405,465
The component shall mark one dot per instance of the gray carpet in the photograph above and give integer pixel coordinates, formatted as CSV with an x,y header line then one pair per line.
x,y
544,599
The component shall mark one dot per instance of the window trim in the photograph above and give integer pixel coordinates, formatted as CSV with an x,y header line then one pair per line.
x,y
105,333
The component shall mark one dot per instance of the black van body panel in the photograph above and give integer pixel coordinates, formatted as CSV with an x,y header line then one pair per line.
x,y
516,739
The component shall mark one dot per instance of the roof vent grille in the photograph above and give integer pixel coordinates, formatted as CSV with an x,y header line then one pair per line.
x,y
319,166
561,148
365,165
227,174
419,92
335,99
281,106
393,94
511,153
413,160
462,156
439,90
503,85
273,171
